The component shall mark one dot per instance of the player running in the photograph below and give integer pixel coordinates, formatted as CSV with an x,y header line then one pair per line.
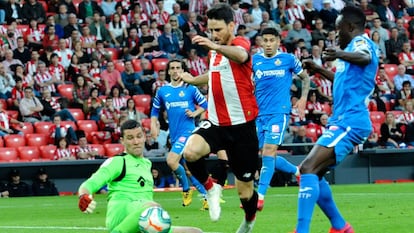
x,y
180,101
272,72
130,184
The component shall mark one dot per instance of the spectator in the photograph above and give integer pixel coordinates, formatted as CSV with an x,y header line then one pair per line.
x,y
57,131
406,94
402,31
17,92
372,140
88,9
9,61
51,107
33,10
118,99
44,80
117,30
81,92
314,107
109,116
324,87
154,31
251,29
301,137
409,7
16,187
61,18
311,14
196,65
401,76
58,28
394,46
14,12
30,107
7,83
85,151
62,151
9,39
131,79
407,119
42,186
297,33
51,38
387,14
138,16
150,44
84,58
73,68
331,40
27,79
168,43
159,179
369,11
64,54
21,52
93,105
108,8
111,77
98,28
56,70
384,84
294,12
152,147
4,193
100,53
160,15
182,18
72,25
280,17
147,76
391,134
133,47
72,9
133,113
319,33
406,57
375,36
6,122
328,14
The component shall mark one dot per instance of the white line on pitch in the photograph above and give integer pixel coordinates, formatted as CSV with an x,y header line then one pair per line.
x,y
62,228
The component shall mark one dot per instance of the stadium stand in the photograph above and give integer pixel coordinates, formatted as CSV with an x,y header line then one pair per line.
x,y
159,64
36,139
113,149
28,153
77,113
47,152
377,117
143,101
42,127
8,154
66,90
14,140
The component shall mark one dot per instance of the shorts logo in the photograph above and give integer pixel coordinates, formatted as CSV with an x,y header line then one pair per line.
x,y
247,175
275,129
333,127
182,139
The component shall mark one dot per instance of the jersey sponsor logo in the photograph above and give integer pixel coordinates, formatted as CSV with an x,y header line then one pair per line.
x,y
333,127
275,129
177,104
275,73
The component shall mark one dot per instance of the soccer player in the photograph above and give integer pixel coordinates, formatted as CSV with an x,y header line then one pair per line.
x,y
130,184
232,110
272,72
349,125
179,100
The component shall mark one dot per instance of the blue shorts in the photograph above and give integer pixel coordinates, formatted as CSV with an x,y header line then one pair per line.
x,y
178,146
271,129
343,139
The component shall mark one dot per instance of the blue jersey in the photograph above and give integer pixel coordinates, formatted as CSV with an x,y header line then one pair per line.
x,y
273,78
176,99
352,86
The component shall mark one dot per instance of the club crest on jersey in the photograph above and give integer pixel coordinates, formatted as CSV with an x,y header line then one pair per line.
x,y
275,129
278,62
181,94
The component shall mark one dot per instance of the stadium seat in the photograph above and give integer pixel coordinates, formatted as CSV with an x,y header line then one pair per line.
x,y
26,129
70,123
377,128
143,101
397,113
391,70
23,28
312,132
113,149
327,108
66,90
383,181
114,52
44,5
101,137
87,126
28,153
4,103
119,65
146,123
36,139
404,180
47,152
13,113
136,63
377,117
159,64
42,127
77,113
1,142
98,147
284,33
8,154
14,140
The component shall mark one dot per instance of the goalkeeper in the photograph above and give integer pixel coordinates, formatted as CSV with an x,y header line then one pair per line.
x,y
130,184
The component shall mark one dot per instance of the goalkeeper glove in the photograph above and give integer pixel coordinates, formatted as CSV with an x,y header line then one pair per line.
x,y
86,203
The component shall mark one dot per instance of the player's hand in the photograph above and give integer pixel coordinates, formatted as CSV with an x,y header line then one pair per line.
x,y
205,42
187,77
330,54
301,106
86,203
190,113
309,64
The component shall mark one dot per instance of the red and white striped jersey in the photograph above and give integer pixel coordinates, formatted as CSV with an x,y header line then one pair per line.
x,y
409,117
4,120
57,71
197,66
17,94
157,84
119,102
65,57
231,97
325,85
110,115
383,83
406,57
34,34
88,40
45,77
295,12
84,149
31,68
63,153
155,33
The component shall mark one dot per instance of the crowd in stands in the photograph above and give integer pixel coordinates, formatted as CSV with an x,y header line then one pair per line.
x,y
75,70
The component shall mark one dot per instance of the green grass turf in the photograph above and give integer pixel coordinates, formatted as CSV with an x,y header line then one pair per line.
x,y
380,208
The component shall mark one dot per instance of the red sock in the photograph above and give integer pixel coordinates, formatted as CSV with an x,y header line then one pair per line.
x,y
209,183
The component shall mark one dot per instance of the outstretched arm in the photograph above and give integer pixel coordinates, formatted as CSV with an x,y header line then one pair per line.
x,y
312,66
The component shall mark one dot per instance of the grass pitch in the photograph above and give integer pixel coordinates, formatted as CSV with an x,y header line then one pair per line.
x,y
380,208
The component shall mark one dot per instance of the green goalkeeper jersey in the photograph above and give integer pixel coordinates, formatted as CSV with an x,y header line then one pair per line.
x,y
128,178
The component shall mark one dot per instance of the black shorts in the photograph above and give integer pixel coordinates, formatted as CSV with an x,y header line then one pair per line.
x,y
240,143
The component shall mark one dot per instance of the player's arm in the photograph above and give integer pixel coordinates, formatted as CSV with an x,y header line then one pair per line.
x,y
301,103
196,81
155,112
312,66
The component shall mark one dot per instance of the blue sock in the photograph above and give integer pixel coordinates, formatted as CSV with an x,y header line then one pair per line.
x,y
266,174
200,188
283,165
182,177
327,205
308,195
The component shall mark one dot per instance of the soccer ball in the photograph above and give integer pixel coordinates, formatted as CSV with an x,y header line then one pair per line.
x,y
154,220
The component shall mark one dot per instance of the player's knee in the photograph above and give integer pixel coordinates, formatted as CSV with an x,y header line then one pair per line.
x,y
173,160
306,168
190,155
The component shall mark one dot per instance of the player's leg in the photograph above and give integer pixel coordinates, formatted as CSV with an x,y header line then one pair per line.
x,y
222,167
173,161
200,188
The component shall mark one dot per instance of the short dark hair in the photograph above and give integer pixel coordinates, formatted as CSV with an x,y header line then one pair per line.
x,y
270,31
129,124
221,11
183,65
406,83
354,15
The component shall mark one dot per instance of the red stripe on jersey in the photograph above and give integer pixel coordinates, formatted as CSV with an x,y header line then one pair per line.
x,y
220,102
